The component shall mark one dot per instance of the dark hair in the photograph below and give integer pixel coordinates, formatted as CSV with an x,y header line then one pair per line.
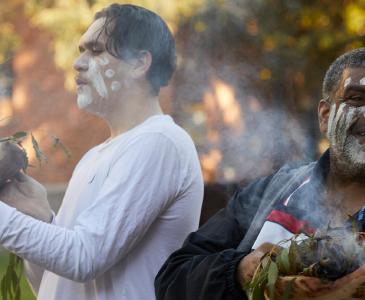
x,y
351,59
130,29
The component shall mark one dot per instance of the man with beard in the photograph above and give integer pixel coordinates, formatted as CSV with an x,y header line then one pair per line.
x,y
216,261
132,199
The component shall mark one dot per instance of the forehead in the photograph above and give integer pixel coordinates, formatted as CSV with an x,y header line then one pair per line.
x,y
93,32
355,74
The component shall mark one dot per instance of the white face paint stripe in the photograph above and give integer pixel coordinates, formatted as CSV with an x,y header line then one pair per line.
x,y
362,81
103,61
97,78
347,82
331,119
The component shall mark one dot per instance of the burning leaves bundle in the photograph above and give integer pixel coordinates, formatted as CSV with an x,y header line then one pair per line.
x,y
326,255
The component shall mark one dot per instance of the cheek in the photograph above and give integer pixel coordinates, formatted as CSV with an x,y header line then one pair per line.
x,y
97,78
339,121
102,61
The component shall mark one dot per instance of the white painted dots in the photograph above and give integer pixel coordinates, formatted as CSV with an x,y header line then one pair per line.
x,y
109,73
115,86
362,81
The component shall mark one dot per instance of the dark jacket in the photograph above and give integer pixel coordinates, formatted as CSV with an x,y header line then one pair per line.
x,y
204,268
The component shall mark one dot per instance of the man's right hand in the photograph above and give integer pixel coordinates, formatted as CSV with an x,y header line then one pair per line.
x,y
249,263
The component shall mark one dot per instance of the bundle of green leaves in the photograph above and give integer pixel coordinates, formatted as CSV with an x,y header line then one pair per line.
x,y
329,255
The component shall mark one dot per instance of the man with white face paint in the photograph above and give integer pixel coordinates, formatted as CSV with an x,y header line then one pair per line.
x,y
132,199
220,258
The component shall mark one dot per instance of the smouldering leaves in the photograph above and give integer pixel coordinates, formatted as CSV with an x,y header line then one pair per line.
x,y
328,256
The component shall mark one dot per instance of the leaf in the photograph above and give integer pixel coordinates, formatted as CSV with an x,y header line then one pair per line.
x,y
272,277
288,290
58,142
284,259
38,153
14,280
19,135
10,283
3,288
294,258
258,293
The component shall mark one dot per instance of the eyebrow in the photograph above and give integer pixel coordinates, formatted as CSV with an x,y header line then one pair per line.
x,y
91,45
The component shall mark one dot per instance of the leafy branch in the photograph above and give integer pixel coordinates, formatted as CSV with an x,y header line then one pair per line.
x,y
329,255
14,159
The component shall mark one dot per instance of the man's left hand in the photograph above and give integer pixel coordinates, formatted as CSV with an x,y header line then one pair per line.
x,y
28,196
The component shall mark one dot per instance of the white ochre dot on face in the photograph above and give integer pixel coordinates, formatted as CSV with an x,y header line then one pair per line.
x,y
362,81
109,73
115,86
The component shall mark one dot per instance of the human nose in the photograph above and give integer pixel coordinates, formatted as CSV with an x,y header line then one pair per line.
x,y
81,64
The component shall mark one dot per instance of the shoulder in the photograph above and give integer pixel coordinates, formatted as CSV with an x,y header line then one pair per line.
x,y
287,175
165,126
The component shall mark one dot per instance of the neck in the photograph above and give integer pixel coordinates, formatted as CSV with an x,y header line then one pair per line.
x,y
132,111
345,193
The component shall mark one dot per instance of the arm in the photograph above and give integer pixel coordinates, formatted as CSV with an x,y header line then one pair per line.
x,y
33,272
205,267
138,187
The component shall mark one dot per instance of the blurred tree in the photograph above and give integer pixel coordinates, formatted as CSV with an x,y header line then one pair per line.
x,y
259,62
273,54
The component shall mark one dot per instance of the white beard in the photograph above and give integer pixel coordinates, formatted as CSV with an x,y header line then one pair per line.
x,y
84,98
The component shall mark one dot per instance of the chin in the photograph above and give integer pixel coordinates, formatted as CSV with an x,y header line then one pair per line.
x,y
350,160
83,101
90,105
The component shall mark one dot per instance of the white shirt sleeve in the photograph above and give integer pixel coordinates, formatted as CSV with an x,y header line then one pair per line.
x,y
140,185
33,272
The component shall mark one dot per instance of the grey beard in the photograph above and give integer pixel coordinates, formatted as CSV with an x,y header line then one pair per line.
x,y
348,161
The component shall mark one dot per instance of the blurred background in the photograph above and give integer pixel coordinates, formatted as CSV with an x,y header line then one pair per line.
x,y
246,88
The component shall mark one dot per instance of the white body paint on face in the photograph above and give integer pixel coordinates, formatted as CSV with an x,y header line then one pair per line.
x,y
362,81
84,97
345,145
115,86
97,79
109,73
103,61
347,82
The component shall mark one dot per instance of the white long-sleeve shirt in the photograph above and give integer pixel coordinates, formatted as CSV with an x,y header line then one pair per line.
x,y
130,203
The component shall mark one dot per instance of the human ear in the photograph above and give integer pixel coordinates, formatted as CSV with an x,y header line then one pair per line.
x,y
141,64
324,107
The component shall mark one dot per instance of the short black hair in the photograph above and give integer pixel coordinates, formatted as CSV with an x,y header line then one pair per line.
x,y
130,29
352,59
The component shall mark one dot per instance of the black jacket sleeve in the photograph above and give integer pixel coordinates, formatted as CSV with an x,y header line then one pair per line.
x,y
204,268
